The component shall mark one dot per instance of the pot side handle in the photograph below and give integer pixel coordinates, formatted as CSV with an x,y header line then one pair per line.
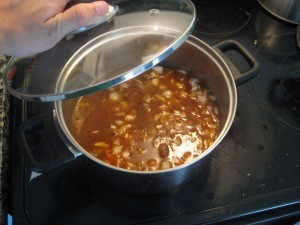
x,y
41,145
232,45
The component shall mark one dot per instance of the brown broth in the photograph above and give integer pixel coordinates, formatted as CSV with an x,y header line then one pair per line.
x,y
158,120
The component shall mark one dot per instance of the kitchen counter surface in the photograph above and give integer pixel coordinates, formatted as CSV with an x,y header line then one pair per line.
x,y
4,106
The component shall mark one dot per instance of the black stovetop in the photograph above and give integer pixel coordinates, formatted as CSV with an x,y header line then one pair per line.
x,y
253,176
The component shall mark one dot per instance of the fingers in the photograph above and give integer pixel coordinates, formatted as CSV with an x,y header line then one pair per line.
x,y
83,14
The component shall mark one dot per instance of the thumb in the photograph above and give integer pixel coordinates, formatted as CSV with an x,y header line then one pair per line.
x,y
80,15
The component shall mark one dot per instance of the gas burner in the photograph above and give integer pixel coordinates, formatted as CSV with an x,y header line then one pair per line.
x,y
278,83
221,18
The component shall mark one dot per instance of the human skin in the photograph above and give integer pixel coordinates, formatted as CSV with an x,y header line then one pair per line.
x,y
28,27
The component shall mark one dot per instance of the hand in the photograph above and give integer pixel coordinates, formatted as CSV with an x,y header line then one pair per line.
x,y
28,27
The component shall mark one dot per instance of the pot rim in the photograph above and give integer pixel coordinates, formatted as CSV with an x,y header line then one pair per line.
x,y
219,61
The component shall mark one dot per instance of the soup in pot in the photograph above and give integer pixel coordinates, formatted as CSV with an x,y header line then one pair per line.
x,y
161,119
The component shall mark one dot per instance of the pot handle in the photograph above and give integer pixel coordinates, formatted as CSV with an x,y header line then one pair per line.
x,y
41,145
240,77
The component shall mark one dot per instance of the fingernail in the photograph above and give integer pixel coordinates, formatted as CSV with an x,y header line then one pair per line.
x,y
101,8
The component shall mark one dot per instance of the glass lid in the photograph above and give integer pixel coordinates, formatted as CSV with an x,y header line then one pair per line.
x,y
133,37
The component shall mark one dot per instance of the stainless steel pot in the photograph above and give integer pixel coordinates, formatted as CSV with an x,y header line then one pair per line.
x,y
198,59
287,10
